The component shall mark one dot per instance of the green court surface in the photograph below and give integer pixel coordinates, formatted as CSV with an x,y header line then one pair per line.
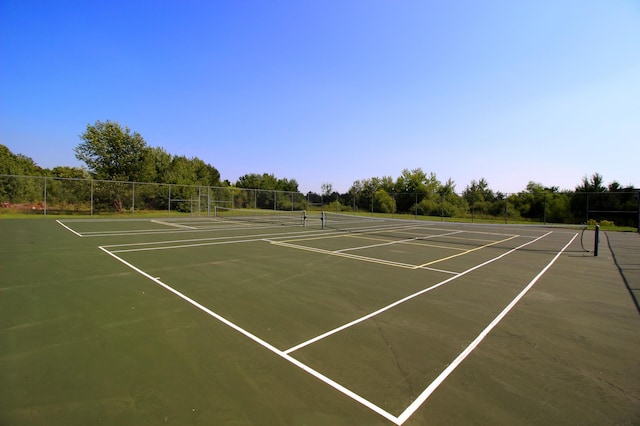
x,y
202,321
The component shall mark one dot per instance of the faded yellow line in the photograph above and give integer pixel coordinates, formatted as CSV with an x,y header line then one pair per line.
x,y
465,252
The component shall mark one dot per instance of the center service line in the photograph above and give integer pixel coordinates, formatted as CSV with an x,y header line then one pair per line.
x,y
408,412
411,296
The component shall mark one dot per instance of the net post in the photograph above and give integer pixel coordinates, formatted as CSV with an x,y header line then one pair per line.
x,y
323,220
133,198
304,218
596,240
638,195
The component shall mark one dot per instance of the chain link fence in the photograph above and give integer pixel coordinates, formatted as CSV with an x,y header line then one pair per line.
x,y
54,196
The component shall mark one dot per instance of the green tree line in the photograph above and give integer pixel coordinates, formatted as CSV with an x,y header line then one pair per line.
x,y
419,193
114,153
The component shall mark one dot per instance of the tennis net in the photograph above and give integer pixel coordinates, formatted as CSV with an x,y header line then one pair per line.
x,y
278,217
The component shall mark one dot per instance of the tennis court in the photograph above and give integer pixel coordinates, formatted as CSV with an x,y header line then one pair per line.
x,y
315,319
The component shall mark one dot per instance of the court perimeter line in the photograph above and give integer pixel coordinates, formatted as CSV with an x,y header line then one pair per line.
x,y
210,241
68,229
175,225
263,343
136,232
405,299
408,412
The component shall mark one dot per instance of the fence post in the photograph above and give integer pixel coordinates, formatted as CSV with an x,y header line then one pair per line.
x,y
587,209
638,195
506,208
133,199
473,208
92,181
372,195
45,197
393,206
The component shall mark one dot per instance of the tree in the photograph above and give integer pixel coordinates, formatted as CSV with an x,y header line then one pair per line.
x,y
156,165
271,190
384,203
479,196
327,189
412,186
593,184
16,189
67,172
111,152
17,164
267,181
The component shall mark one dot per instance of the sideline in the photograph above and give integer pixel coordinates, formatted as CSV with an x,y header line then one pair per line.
x,y
456,362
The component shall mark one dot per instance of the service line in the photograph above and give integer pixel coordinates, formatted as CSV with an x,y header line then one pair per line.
x,y
405,299
466,252
408,412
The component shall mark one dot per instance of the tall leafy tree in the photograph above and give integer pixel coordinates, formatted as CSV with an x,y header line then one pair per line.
x,y
16,189
17,164
594,183
112,152
413,186
267,181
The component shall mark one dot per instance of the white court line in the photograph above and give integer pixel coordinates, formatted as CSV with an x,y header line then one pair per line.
x,y
356,257
411,296
68,229
175,225
413,407
408,412
263,343
375,245
396,242
211,241
222,228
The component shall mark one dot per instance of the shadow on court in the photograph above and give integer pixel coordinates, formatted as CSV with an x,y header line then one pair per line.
x,y
625,249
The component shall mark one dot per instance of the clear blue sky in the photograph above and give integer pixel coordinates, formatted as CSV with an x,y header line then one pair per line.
x,y
331,91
